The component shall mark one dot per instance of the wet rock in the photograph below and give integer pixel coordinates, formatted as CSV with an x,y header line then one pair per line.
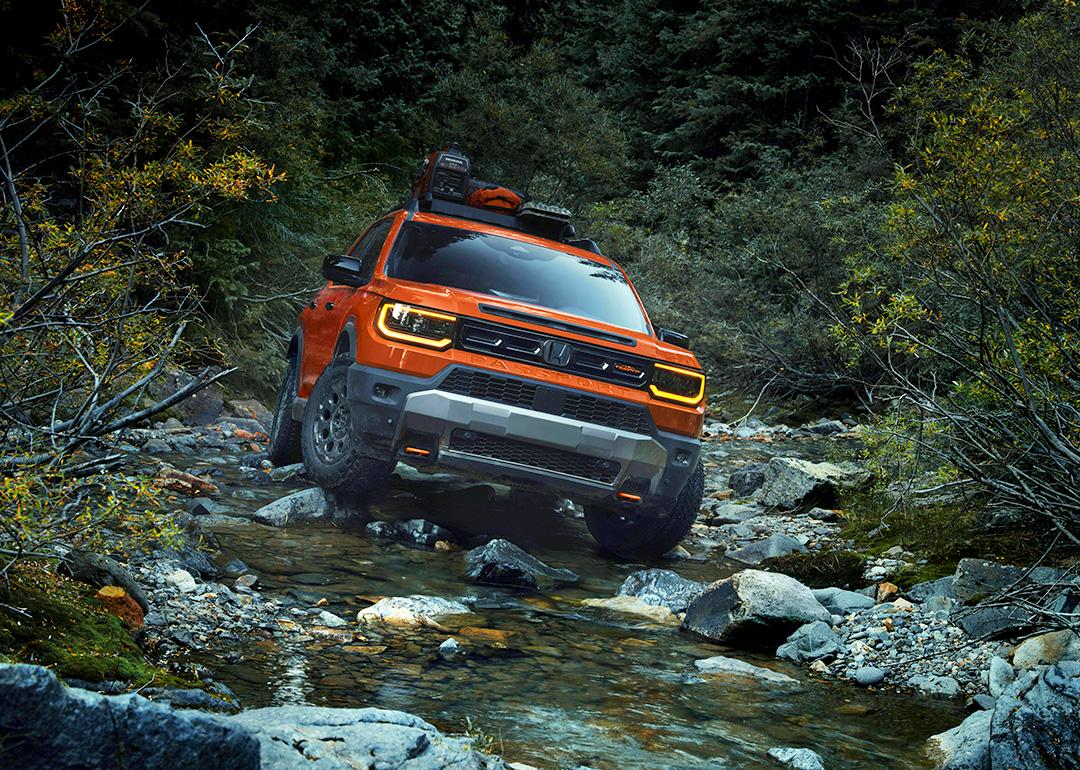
x,y
1047,649
661,587
191,699
330,620
451,650
234,568
841,602
964,747
999,676
748,479
70,729
773,546
800,759
97,570
410,610
502,563
416,531
1036,723
246,581
182,580
185,483
869,676
251,409
204,506
825,427
305,505
287,472
792,483
319,738
811,642
936,686
191,558
156,446
733,513
753,606
632,605
721,665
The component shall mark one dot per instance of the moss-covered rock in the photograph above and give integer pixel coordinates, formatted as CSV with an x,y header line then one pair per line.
x,y
821,569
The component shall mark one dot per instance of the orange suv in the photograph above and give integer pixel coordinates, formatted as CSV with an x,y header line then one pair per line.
x,y
469,330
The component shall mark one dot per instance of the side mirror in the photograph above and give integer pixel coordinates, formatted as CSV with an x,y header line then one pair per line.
x,y
343,269
673,338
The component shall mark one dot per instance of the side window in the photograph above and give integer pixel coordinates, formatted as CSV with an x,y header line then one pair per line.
x,y
367,251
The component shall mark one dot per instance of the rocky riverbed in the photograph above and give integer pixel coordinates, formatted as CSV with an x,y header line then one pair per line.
x,y
466,606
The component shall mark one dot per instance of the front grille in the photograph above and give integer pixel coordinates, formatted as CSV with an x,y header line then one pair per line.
x,y
534,456
517,344
541,398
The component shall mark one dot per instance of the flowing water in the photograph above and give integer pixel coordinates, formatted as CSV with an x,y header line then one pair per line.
x,y
548,681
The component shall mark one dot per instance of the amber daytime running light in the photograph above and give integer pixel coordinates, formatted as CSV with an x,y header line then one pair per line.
x,y
676,384
419,326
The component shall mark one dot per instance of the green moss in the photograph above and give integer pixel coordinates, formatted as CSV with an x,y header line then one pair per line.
x,y
921,573
68,631
821,569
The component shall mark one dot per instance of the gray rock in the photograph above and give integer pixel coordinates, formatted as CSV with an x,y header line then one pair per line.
x,y
97,571
1047,649
156,446
305,505
49,726
724,666
500,562
200,408
190,699
825,427
416,531
661,587
287,472
985,622
733,513
451,650
234,568
999,676
934,685
982,701
250,408
773,546
752,605
182,580
800,759
920,592
964,747
747,479
413,610
978,578
330,620
792,483
204,506
868,676
1036,723
842,602
319,738
811,642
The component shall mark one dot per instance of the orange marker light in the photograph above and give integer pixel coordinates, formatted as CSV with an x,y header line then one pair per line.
x,y
628,496
415,450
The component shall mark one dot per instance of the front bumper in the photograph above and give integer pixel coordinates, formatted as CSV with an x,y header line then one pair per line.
x,y
517,445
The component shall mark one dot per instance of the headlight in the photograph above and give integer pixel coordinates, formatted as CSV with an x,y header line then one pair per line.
x,y
417,325
676,384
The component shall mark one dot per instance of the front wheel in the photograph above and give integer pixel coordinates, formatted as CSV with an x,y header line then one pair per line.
x,y
283,447
332,446
627,535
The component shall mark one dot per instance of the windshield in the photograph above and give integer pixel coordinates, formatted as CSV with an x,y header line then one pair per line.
x,y
512,269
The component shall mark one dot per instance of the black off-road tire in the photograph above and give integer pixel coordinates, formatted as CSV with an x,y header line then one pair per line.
x,y
332,446
283,447
634,536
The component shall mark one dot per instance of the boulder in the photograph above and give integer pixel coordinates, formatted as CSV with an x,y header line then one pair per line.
x,y
811,642
661,587
999,676
770,548
841,602
252,409
410,610
799,759
746,480
416,531
321,738
976,579
49,726
930,589
305,505
1047,649
500,562
1036,722
753,606
182,581
825,427
201,408
97,570
869,676
733,667
964,747
987,622
791,483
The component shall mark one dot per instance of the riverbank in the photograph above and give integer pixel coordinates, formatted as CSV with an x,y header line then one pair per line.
x,y
268,615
